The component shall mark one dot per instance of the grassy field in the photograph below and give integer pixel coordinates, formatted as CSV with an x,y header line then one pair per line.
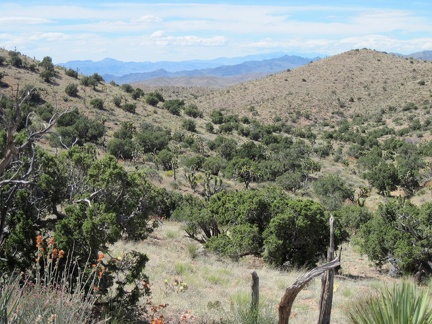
x,y
203,288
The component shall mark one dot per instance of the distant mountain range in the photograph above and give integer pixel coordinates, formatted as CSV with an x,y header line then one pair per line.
x,y
129,72
258,68
195,72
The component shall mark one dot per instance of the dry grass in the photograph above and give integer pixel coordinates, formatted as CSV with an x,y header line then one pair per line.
x,y
214,288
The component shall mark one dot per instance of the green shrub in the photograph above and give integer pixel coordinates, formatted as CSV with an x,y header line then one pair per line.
x,y
72,73
404,303
117,100
72,90
193,111
174,106
129,107
189,125
127,88
305,219
153,98
97,103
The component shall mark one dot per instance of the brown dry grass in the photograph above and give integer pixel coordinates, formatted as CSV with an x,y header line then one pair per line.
x,y
210,279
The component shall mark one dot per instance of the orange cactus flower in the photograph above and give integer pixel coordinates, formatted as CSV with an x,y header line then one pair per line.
x,y
51,241
61,254
55,253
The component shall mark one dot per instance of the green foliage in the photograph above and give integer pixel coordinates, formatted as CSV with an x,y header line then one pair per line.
x,y
47,64
384,177
47,75
332,191
189,125
352,217
45,112
298,235
72,73
209,127
48,69
244,239
174,106
217,117
152,138
72,90
16,61
226,147
214,165
137,93
195,163
399,233
291,181
404,303
97,103
129,107
166,157
76,128
97,77
117,101
89,81
193,111
120,148
127,88
153,98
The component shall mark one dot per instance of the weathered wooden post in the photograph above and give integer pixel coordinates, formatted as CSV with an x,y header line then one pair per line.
x,y
254,295
291,292
327,281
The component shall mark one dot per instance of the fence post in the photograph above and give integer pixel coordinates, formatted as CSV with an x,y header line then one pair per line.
x,y
254,295
327,281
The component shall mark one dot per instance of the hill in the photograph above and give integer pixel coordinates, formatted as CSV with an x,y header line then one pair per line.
x,y
342,135
355,82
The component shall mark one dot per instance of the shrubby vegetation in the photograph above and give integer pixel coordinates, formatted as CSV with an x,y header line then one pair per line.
x,y
253,188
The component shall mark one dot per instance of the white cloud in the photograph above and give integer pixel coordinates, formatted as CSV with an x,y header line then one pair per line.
x,y
205,30
23,20
160,38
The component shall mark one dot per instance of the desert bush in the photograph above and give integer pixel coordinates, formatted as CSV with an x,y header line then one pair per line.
x,y
299,219
137,93
399,233
97,103
193,111
129,107
153,98
332,191
72,73
174,106
72,90
127,88
117,100
189,125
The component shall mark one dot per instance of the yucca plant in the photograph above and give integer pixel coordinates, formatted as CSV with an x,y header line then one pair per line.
x,y
403,304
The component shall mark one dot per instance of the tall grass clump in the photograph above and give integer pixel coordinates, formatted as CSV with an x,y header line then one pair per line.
x,y
57,290
404,303
242,313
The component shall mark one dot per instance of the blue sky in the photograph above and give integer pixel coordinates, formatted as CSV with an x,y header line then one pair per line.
x,y
177,30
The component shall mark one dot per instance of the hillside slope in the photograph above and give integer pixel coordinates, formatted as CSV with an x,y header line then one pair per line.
x,y
358,81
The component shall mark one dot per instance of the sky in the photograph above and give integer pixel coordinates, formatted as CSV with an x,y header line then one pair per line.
x,y
174,30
